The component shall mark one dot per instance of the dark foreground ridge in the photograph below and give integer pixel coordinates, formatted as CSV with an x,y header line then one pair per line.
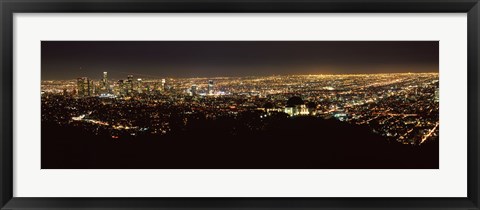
x,y
298,143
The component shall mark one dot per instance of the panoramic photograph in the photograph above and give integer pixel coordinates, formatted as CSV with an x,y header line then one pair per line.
x,y
240,105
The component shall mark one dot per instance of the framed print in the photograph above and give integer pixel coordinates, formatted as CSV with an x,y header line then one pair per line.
x,y
269,125
239,104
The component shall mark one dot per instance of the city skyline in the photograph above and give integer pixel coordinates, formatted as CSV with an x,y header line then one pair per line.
x,y
98,77
191,59
346,91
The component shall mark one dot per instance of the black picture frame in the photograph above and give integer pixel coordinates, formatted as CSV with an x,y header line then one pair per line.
x,y
9,7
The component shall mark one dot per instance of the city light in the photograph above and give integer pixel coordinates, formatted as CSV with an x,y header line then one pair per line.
x,y
402,107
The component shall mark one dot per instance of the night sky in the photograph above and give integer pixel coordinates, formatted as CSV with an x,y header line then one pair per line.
x,y
159,59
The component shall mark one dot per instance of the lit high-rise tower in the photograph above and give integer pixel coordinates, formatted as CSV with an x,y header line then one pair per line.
x,y
83,86
129,85
118,88
139,85
193,90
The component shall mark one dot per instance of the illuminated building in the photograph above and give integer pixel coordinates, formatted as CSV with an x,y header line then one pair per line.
x,y
81,86
210,87
312,108
84,87
193,90
119,88
129,85
104,87
270,107
295,106
387,109
340,115
91,88
139,85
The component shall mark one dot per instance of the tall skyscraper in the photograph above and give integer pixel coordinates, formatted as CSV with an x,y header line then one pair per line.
x,y
210,87
84,87
80,86
104,86
164,88
118,88
129,85
193,90
139,85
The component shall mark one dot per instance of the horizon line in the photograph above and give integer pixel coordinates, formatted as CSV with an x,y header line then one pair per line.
x,y
204,77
